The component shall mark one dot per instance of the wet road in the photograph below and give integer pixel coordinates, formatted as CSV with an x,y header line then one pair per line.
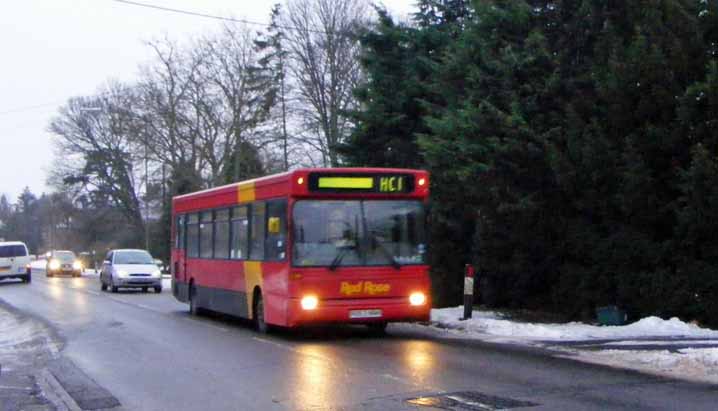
x,y
148,351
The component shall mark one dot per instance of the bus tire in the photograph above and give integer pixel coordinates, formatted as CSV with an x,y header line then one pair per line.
x,y
377,328
193,308
259,323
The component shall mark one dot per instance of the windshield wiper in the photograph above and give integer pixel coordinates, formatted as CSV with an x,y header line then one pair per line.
x,y
338,259
387,253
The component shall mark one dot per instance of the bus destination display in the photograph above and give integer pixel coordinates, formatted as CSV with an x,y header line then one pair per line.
x,y
361,183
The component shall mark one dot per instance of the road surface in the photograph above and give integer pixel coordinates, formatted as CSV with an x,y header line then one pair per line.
x,y
152,355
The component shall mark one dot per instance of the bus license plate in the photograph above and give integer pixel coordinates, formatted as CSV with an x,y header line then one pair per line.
x,y
364,313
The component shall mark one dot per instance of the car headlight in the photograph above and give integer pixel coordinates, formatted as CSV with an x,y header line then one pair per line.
x,y
77,265
156,273
54,265
122,273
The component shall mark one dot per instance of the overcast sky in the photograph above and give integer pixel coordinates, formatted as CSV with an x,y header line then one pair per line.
x,y
56,49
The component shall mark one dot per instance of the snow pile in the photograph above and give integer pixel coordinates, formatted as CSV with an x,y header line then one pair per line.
x,y
492,324
38,264
699,364
611,345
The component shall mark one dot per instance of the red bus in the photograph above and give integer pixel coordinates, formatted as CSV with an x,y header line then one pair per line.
x,y
310,246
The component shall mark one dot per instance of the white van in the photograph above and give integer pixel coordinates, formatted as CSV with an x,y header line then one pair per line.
x,y
14,261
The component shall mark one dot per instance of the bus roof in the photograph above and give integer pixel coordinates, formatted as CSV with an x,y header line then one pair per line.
x,y
283,184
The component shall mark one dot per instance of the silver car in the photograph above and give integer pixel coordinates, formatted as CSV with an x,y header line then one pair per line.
x,y
129,268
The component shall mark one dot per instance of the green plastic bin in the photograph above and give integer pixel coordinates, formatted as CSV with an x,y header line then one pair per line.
x,y
611,315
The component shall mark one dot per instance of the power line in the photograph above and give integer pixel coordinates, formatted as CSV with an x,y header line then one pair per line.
x,y
171,10
29,108
212,16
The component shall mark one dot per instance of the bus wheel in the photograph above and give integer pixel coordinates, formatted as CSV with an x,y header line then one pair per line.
x,y
259,322
193,308
377,328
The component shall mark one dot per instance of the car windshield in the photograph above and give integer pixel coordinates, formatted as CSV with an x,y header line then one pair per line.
x,y
9,251
359,232
133,257
64,256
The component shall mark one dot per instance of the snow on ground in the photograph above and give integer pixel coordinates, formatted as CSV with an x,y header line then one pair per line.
x,y
677,348
39,264
697,364
492,323
22,341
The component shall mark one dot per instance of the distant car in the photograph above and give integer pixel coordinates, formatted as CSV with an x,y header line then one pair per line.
x,y
15,261
63,262
129,268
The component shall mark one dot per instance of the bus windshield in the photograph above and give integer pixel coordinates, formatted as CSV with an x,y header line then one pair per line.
x,y
359,232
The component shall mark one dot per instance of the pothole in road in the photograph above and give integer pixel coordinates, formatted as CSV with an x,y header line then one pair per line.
x,y
469,400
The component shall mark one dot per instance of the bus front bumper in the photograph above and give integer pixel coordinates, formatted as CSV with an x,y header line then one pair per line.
x,y
357,311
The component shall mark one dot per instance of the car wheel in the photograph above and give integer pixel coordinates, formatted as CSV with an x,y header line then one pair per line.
x,y
103,286
158,290
193,308
377,328
259,321
113,288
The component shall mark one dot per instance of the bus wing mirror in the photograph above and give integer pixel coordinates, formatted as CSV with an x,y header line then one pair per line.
x,y
273,225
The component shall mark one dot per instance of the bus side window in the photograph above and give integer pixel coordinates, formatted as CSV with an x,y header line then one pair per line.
x,y
257,226
180,232
221,234
240,234
276,243
193,235
206,232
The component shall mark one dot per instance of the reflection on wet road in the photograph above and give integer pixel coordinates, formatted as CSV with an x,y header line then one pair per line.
x,y
152,355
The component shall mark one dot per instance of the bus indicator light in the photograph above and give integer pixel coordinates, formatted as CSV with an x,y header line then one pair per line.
x,y
300,180
309,303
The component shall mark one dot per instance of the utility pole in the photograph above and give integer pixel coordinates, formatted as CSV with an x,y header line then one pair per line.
x,y
147,198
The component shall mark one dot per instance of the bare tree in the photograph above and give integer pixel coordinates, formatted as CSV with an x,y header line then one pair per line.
x,y
324,53
233,95
170,126
95,140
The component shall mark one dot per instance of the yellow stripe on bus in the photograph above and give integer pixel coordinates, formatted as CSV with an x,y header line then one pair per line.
x,y
346,182
252,278
245,192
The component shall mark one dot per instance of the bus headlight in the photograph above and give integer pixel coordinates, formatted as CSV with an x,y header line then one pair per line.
x,y
77,265
309,302
417,299
54,265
